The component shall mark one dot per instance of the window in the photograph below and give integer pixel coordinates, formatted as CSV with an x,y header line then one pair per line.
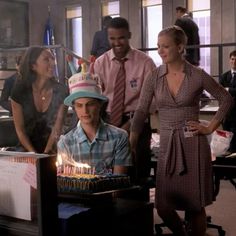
x,y
111,8
74,29
201,15
152,25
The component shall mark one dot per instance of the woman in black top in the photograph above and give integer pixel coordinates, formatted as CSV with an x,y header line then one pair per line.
x,y
37,102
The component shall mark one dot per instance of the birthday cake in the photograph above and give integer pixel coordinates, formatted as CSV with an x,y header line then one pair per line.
x,y
88,183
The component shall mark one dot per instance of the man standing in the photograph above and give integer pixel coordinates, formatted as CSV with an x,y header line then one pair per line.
x,y
100,39
122,71
228,80
191,30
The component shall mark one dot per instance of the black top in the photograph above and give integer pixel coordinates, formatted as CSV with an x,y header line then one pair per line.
x,y
100,43
229,123
38,125
191,30
6,92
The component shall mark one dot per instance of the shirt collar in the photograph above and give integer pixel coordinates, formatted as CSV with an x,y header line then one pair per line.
x,y
128,56
164,70
233,71
100,135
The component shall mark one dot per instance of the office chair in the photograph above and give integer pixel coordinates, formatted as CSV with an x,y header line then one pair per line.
x,y
8,136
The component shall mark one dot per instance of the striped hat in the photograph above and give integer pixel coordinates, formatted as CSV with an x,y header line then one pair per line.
x,y
84,85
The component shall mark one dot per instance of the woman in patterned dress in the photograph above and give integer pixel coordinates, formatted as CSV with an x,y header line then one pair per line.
x,y
184,172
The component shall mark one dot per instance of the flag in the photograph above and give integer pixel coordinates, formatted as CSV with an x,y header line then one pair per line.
x,y
71,64
49,39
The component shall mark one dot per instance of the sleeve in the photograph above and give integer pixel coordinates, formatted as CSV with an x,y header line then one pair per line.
x,y
222,80
94,45
63,153
122,152
5,95
146,97
18,92
179,23
232,91
217,91
98,70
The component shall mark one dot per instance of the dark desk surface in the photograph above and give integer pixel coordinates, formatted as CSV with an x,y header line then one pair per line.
x,y
120,217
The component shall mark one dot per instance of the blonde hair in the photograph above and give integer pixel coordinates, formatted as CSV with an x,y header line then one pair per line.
x,y
176,33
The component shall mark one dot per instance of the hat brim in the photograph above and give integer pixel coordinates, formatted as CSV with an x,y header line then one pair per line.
x,y
82,94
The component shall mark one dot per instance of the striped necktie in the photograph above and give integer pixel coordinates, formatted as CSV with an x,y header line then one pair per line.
x,y
117,107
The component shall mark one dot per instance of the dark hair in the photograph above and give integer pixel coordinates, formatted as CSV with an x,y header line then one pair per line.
x,y
106,21
176,33
181,9
233,53
29,59
118,23
18,60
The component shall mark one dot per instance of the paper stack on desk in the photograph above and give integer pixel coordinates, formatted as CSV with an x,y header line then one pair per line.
x,y
15,200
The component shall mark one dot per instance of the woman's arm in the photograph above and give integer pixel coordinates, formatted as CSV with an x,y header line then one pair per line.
x,y
225,104
20,126
57,129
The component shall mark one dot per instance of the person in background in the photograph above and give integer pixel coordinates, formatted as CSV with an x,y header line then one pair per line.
x,y
102,146
228,80
135,67
37,102
185,21
7,88
184,170
100,39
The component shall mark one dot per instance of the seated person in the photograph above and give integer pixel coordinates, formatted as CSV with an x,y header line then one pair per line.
x,y
92,141
228,80
7,88
37,102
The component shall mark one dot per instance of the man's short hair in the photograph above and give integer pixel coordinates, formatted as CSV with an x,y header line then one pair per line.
x,y
119,23
233,53
181,9
105,21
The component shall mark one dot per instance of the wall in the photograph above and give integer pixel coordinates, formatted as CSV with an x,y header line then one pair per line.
x,y
221,15
223,31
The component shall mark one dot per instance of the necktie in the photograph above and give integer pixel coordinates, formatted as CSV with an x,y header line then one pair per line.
x,y
117,107
233,80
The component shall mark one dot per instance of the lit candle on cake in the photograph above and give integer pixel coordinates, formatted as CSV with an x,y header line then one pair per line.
x,y
82,167
59,164
83,68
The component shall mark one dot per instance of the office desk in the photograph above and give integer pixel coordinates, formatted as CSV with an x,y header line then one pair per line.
x,y
122,217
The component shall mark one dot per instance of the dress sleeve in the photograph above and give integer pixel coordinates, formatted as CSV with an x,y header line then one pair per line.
x,y
218,92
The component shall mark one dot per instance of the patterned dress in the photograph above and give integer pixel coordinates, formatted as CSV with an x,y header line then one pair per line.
x,y
184,173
